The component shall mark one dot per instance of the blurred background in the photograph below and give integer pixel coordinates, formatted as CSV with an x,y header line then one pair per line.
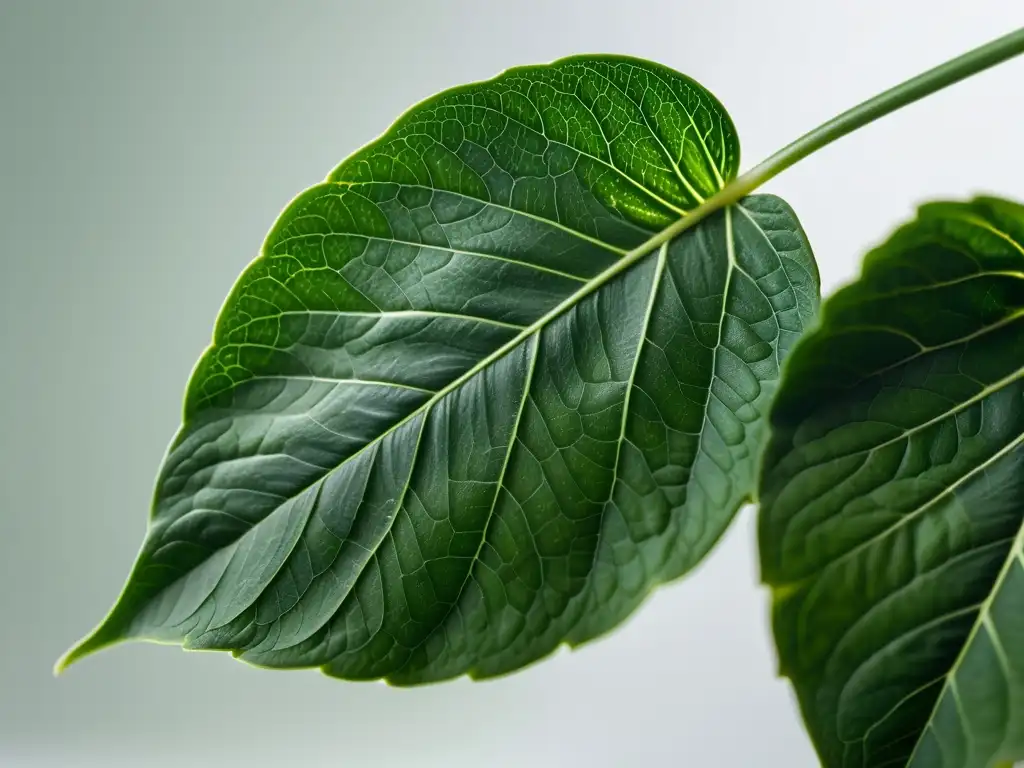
x,y
145,149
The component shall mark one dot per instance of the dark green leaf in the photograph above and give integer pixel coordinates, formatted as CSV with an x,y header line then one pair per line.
x,y
463,408
893,500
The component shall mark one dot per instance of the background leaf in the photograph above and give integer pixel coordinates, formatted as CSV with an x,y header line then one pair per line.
x,y
893,500
442,427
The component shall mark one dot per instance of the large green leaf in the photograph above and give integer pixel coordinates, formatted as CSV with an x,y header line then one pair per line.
x,y
893,501
463,407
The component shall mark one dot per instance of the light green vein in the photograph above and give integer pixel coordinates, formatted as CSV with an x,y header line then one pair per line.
x,y
429,246
668,155
499,484
515,211
730,249
1013,558
907,517
329,380
641,341
395,314
618,171
696,130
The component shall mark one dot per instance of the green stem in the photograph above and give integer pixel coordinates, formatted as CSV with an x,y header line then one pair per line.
x,y
925,84
888,101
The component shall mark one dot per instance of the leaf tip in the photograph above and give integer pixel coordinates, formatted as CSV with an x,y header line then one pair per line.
x,y
95,641
74,654
68,658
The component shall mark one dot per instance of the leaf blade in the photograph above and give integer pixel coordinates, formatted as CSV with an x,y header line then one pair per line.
x,y
889,525
352,485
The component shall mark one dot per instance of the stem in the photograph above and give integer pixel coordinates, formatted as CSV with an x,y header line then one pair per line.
x,y
925,84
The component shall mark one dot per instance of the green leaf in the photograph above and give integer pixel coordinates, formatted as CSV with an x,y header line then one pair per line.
x,y
472,401
893,500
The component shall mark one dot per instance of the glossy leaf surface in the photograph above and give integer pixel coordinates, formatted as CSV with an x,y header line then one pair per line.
x,y
893,501
457,412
